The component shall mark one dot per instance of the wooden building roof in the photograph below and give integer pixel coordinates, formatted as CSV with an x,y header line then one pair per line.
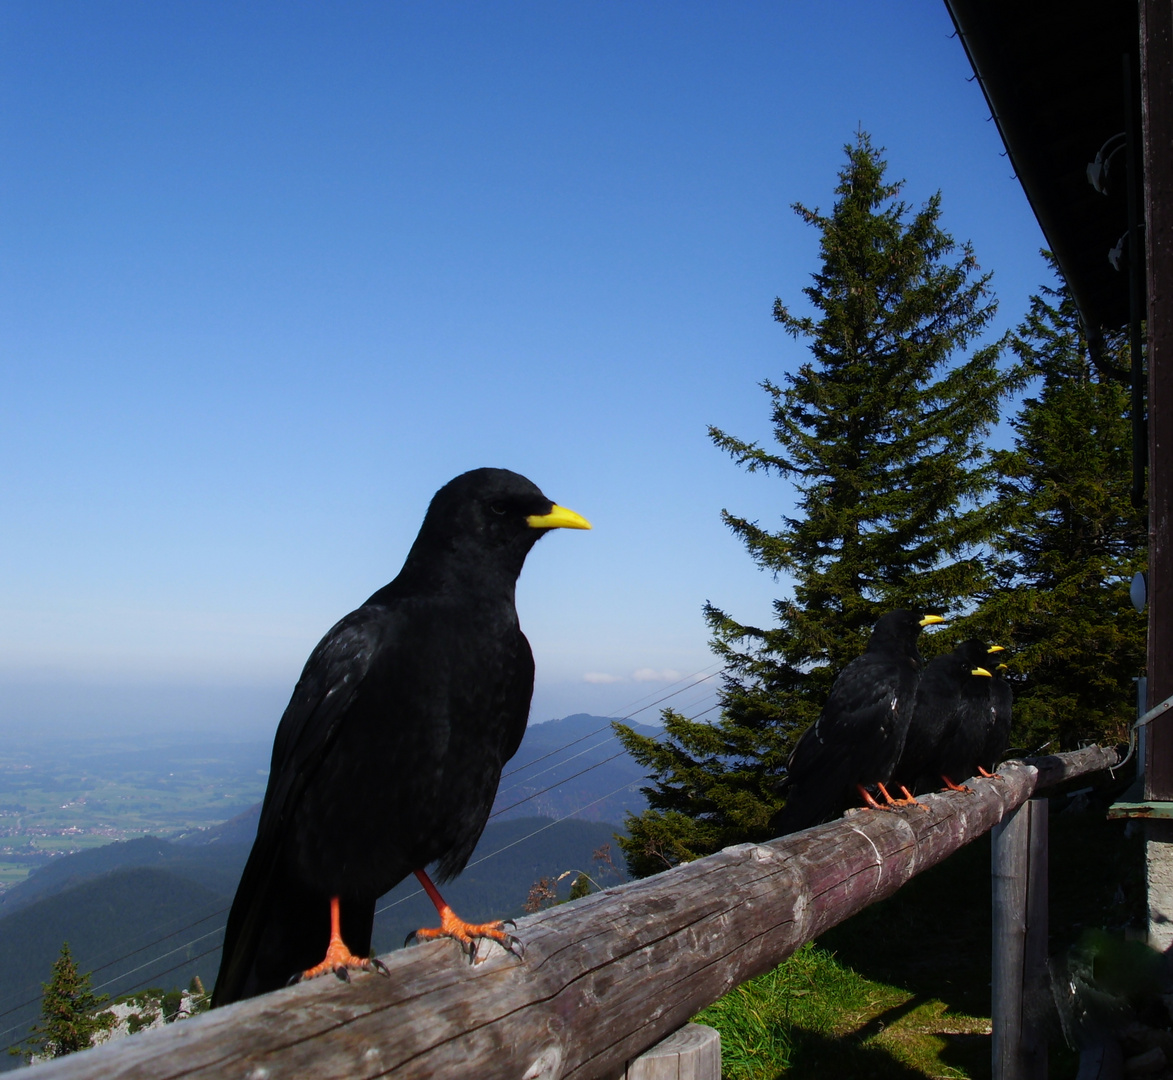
x,y
1053,72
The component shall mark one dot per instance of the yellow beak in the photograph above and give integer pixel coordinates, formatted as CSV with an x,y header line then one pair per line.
x,y
981,671
930,620
558,518
996,648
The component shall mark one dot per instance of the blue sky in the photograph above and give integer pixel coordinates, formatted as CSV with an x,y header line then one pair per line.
x,y
270,274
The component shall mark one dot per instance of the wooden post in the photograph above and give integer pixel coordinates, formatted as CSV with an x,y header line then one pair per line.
x,y
1019,987
692,1053
1156,63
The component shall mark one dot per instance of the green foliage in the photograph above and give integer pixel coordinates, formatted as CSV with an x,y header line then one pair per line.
x,y
170,1003
1070,540
69,1013
580,887
882,433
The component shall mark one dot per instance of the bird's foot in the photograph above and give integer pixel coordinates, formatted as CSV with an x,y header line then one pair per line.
x,y
340,960
908,800
466,935
988,775
956,787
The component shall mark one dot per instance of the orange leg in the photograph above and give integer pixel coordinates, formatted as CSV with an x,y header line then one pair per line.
x,y
987,775
867,798
339,959
908,799
956,787
451,925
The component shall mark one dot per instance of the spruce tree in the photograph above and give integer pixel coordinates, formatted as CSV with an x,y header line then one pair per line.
x,y
1070,542
881,431
69,1012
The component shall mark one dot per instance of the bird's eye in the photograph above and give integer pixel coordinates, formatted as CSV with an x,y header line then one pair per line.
x,y
498,508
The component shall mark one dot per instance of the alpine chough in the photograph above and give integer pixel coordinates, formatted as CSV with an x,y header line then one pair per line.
x,y
388,756
858,737
949,721
998,735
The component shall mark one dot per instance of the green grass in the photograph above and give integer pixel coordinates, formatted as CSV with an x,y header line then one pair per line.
x,y
814,1016
901,991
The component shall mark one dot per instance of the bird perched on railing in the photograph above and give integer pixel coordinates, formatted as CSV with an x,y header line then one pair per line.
x,y
950,720
857,739
388,756
998,734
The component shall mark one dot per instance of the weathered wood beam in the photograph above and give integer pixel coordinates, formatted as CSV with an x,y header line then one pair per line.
x,y
1019,968
603,979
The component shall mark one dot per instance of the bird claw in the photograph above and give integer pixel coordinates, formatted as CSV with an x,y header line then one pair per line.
x,y
411,939
380,967
508,922
508,942
294,979
342,973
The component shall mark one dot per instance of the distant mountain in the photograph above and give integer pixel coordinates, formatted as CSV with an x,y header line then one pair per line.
x,y
241,829
574,764
213,867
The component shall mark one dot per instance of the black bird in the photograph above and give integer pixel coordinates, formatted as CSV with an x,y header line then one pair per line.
x,y
858,737
388,757
949,721
998,735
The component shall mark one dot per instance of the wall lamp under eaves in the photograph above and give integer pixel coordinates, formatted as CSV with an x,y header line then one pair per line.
x,y
1097,171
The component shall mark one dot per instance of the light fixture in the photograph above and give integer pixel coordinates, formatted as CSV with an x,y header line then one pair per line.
x,y
1116,255
1097,171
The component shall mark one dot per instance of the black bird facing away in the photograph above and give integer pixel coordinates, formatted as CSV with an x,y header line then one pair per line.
x,y
388,756
857,739
949,723
998,735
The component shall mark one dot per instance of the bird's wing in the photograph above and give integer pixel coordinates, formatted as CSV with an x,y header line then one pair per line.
x,y
310,724
518,695
864,697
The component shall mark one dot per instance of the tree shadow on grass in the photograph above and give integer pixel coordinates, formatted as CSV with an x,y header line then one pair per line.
x,y
967,1054
821,1057
933,937
869,1052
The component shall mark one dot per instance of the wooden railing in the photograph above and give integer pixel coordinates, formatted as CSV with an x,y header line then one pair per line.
x,y
602,980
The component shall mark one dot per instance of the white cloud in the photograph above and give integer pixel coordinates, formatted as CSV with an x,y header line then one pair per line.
x,y
602,677
647,674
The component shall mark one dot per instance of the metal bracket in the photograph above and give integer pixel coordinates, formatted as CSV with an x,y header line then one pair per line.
x,y
1155,711
1152,811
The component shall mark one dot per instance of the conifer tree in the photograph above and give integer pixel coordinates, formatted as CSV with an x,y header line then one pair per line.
x,y
1071,540
881,432
69,1012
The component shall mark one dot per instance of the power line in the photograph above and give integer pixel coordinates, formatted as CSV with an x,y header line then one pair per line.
x,y
634,712
125,956
161,956
564,761
589,768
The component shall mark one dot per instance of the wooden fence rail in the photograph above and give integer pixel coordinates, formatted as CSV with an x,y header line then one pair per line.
x,y
603,979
